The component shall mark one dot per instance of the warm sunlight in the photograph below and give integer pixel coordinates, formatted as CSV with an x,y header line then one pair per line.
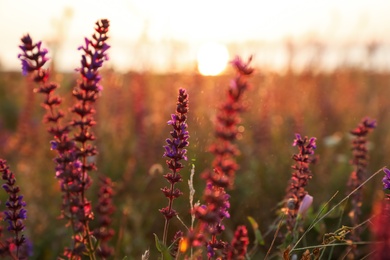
x,y
212,58
164,36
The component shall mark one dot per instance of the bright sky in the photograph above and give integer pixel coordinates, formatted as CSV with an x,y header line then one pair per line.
x,y
143,31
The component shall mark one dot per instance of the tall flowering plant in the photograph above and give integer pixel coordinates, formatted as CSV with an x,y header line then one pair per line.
x,y
72,164
216,199
297,198
358,175
14,215
175,152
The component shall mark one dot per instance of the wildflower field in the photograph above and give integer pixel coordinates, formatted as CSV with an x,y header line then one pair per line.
x,y
245,165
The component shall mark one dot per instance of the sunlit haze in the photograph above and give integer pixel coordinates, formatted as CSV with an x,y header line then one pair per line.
x,y
212,58
166,35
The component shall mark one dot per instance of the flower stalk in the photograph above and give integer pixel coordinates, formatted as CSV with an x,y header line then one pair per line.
x,y
296,193
175,152
16,212
358,175
216,199
72,164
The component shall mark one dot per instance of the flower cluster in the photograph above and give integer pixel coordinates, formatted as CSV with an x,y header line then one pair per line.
x,y
72,165
67,166
227,120
386,179
104,210
33,57
211,214
299,178
175,152
215,209
359,162
16,213
240,242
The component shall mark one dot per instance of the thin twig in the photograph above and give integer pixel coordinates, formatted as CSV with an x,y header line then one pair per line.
x,y
273,240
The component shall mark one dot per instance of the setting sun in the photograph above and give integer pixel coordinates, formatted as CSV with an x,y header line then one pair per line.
x,y
212,58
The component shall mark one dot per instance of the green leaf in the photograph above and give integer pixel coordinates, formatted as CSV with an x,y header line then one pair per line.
x,y
162,248
258,237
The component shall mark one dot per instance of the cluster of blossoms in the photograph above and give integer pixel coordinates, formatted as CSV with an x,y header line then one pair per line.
x,y
14,215
216,200
175,152
33,57
239,244
72,165
86,94
227,122
358,175
386,179
104,211
296,193
359,161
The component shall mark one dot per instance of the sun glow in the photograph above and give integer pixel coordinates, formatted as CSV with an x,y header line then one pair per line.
x,y
212,58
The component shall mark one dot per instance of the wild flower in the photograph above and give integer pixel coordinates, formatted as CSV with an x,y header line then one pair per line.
x,y
227,121
210,216
175,152
216,200
358,175
15,214
33,57
386,179
240,242
176,243
72,164
86,94
104,211
300,177
305,205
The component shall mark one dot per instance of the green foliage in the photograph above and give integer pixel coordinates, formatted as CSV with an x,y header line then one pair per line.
x,y
164,250
259,240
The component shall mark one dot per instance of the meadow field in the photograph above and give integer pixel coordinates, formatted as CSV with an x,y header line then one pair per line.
x,y
132,113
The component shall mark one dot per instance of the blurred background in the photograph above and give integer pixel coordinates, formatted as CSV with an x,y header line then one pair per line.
x,y
166,36
321,66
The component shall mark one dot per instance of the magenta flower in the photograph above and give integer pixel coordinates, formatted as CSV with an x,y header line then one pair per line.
x,y
241,66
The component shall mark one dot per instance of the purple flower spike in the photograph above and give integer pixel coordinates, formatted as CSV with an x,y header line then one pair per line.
x,y
241,66
16,212
299,178
358,175
175,152
386,179
297,139
33,57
